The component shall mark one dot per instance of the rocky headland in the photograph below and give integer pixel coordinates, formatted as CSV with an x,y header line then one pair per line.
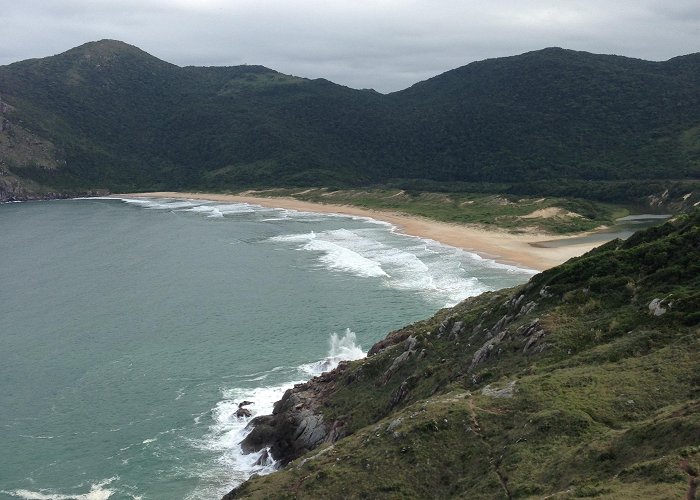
x,y
583,382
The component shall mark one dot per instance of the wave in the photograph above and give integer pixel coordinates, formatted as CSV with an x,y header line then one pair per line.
x,y
437,272
343,348
442,274
226,430
334,254
97,491
208,208
160,204
221,210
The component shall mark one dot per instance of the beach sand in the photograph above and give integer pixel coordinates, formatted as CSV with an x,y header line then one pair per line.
x,y
500,245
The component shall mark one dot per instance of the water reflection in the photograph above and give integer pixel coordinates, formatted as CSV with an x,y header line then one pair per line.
x,y
623,229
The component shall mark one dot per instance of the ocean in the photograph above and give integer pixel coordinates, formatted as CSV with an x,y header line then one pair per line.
x,y
131,329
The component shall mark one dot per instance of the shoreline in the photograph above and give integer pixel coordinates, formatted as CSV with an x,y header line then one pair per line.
x,y
519,250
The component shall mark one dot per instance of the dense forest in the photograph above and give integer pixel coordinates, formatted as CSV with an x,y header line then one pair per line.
x,y
108,115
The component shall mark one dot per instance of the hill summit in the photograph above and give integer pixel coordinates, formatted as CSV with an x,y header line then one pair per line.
x,y
108,115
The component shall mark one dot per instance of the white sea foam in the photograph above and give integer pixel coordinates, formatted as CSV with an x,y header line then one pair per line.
x,y
160,204
437,271
226,431
337,256
343,348
221,210
335,253
207,208
97,492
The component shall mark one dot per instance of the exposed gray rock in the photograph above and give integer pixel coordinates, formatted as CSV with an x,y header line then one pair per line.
x,y
310,431
398,361
514,303
337,431
456,330
527,308
656,307
410,343
501,324
243,413
264,459
394,425
402,392
410,346
484,351
505,392
291,430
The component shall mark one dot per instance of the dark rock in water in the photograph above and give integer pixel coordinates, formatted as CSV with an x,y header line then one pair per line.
x,y
263,432
243,412
264,459
292,429
244,403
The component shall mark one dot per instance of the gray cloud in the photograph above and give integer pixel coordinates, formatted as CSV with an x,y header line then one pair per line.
x,y
382,44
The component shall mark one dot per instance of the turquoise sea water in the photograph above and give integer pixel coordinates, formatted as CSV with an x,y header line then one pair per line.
x,y
130,329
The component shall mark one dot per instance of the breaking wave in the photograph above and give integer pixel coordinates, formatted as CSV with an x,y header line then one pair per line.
x,y
227,430
98,491
438,272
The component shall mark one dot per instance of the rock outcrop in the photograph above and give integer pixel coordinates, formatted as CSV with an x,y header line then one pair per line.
x,y
296,426
571,368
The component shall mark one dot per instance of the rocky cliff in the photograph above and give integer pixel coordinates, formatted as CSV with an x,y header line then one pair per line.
x,y
583,382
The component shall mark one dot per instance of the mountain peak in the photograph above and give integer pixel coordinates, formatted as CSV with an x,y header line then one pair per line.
x,y
106,49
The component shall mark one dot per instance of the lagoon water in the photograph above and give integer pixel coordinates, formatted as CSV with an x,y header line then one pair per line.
x,y
130,329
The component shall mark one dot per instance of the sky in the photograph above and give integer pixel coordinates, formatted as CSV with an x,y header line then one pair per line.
x,y
386,45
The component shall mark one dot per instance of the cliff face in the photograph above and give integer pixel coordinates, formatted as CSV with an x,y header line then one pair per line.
x,y
21,150
583,382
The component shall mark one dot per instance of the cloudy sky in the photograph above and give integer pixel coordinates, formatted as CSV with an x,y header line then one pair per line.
x,y
383,44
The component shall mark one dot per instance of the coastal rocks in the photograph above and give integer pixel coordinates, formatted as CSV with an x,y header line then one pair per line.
x,y
392,339
296,425
291,430
410,350
264,460
394,424
243,412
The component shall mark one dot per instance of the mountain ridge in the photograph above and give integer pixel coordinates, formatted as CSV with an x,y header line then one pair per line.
x,y
542,122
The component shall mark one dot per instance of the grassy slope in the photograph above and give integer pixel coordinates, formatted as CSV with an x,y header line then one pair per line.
x,y
601,398
490,210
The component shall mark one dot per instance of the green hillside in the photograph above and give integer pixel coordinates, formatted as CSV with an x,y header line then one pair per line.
x,y
108,115
584,382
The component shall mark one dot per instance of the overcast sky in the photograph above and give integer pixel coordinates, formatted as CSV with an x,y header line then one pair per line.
x,y
387,45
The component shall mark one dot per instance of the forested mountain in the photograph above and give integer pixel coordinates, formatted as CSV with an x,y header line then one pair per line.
x,y
108,115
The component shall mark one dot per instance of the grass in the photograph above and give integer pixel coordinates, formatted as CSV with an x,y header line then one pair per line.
x,y
507,212
605,404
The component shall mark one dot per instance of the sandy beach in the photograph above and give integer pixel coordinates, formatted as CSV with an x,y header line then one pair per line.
x,y
502,246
